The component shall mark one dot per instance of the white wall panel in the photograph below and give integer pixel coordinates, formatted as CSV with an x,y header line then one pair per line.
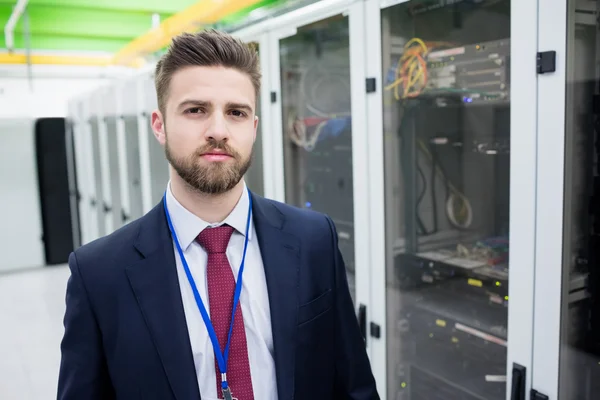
x,y
21,243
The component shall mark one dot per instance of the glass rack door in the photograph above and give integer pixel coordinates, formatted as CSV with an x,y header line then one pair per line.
x,y
446,109
567,351
317,125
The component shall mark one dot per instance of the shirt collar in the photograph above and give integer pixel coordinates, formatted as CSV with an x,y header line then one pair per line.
x,y
188,226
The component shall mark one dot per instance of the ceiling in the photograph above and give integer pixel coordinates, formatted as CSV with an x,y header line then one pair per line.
x,y
91,25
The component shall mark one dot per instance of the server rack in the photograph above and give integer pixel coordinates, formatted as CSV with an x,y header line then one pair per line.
x,y
447,112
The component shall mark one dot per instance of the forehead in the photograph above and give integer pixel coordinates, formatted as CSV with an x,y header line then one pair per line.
x,y
214,84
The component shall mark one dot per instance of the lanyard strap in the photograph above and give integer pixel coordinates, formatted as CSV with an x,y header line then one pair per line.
x,y
221,357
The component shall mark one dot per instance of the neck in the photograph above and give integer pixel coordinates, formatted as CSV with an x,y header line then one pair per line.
x,y
212,208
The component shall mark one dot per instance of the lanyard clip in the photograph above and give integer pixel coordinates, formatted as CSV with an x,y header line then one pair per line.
x,y
227,394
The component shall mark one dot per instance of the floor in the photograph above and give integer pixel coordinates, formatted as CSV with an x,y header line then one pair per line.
x,y
32,305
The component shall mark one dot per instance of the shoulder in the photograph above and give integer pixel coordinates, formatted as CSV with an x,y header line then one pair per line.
x,y
112,250
304,222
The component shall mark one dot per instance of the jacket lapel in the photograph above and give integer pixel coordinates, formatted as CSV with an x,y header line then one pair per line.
x,y
280,252
155,283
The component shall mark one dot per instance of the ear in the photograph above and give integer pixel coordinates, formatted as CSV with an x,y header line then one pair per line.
x,y
255,127
158,127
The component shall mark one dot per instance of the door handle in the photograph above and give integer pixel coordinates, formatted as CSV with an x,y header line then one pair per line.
x,y
518,382
362,321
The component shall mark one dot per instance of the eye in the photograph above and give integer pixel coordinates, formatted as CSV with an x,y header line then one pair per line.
x,y
238,113
193,110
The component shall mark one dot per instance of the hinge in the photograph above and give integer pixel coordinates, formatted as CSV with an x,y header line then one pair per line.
x,y
273,97
371,85
546,62
535,395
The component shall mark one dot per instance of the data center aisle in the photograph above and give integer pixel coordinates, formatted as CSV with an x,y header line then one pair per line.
x,y
32,306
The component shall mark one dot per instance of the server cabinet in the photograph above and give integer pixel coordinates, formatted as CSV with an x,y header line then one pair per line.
x,y
124,216
129,110
58,216
319,126
86,156
453,124
110,116
157,162
102,108
96,152
76,169
566,323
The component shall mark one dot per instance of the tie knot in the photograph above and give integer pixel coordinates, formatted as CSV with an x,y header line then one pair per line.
x,y
215,240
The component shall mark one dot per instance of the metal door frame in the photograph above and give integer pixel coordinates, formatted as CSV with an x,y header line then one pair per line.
x,y
552,97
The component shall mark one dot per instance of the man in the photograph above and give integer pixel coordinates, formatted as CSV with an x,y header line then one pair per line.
x,y
149,307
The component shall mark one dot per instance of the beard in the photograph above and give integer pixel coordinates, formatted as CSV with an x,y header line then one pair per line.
x,y
214,178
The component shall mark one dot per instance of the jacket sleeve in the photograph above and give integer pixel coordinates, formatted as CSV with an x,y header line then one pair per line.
x,y
83,372
354,378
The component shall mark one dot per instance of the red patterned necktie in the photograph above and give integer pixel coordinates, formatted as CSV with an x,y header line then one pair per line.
x,y
221,288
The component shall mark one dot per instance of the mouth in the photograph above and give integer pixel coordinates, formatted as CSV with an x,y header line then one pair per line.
x,y
216,156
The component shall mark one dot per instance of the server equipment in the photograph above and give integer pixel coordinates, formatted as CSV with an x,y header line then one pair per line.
x,y
447,123
315,75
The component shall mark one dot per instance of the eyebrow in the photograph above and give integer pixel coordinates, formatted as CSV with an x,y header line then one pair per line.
x,y
242,106
202,103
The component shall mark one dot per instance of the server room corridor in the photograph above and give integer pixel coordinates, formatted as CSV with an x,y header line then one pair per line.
x,y
454,144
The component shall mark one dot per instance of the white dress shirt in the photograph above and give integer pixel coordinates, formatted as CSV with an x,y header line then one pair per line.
x,y
253,299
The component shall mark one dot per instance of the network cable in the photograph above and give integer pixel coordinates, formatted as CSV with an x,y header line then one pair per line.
x,y
325,120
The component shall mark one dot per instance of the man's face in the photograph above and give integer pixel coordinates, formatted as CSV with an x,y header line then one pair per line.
x,y
209,127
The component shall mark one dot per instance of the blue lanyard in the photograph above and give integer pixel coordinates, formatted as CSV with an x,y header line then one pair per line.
x,y
221,358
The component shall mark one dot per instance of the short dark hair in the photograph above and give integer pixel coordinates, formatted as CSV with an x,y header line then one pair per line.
x,y
208,48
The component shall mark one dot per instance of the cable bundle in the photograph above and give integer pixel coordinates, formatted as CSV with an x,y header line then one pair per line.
x,y
411,70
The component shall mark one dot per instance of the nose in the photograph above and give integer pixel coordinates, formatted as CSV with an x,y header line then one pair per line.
x,y
217,129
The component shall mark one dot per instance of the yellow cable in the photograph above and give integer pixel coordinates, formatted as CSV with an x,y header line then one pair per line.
x,y
415,73
414,70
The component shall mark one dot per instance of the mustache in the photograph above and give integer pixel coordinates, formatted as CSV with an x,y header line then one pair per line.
x,y
214,145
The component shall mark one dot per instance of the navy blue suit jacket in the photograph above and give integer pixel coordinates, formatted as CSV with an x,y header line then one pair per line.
x,y
125,330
